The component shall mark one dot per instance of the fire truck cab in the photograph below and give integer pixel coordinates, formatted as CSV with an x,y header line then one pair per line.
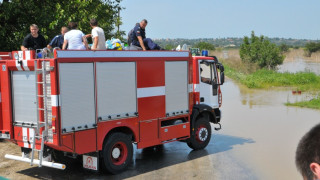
x,y
97,104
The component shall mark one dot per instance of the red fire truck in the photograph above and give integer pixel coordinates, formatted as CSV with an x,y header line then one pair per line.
x,y
96,104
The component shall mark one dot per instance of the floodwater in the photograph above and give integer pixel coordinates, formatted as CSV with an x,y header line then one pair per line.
x,y
258,140
300,65
274,129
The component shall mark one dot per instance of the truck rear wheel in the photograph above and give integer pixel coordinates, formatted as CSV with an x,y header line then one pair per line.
x,y
117,152
202,135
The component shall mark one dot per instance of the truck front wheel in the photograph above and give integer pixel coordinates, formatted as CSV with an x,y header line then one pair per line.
x,y
202,135
117,152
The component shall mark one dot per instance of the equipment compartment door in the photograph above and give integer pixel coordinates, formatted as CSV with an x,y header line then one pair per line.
x,y
176,80
77,96
24,96
116,90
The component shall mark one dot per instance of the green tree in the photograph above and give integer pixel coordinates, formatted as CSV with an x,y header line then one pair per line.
x,y
260,51
284,47
50,15
204,45
169,47
312,47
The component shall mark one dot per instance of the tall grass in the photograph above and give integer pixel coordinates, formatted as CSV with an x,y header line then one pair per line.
x,y
267,78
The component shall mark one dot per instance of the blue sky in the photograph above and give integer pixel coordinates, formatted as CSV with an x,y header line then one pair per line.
x,y
224,18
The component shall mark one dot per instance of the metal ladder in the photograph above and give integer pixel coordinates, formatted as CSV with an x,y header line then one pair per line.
x,y
38,134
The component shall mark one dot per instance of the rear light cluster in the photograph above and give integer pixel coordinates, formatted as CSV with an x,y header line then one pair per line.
x,y
53,124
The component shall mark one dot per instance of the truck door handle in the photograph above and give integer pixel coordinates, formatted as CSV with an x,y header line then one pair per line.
x,y
202,99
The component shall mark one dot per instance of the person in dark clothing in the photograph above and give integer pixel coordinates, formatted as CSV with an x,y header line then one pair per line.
x,y
139,39
308,154
34,40
130,34
57,41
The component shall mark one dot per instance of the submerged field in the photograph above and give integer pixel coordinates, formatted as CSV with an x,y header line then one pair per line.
x,y
263,78
253,77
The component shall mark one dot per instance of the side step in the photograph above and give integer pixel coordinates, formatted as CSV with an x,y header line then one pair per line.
x,y
35,161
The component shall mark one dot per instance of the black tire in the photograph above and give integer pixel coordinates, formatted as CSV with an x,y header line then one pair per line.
x,y
117,152
202,135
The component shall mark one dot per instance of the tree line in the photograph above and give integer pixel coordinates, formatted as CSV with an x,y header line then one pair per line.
x,y
50,15
232,42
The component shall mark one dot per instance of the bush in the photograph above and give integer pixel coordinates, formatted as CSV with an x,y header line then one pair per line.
x,y
260,51
284,48
311,48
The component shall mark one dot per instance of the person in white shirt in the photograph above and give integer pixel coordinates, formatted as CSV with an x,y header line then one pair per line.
x,y
75,39
98,37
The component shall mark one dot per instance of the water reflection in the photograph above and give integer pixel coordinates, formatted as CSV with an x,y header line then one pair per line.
x,y
300,65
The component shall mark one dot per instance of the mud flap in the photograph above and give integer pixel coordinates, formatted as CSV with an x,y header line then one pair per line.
x,y
91,162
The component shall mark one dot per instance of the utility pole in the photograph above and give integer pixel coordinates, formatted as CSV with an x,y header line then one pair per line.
x,y
118,20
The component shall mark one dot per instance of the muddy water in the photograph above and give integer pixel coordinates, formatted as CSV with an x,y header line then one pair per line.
x,y
273,129
300,65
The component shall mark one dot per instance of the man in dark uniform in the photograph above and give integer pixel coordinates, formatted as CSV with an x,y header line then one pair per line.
x,y
34,40
139,37
57,41
130,34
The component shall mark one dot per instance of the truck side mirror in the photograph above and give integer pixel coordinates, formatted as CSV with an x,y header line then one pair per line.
x,y
221,67
221,77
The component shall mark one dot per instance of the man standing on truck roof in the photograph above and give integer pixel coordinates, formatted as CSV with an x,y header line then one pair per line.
x,y
139,37
34,40
308,154
98,37
57,41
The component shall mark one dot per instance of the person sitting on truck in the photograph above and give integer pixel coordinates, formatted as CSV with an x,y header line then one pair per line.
x,y
130,34
34,40
308,154
75,39
139,37
57,41
97,34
